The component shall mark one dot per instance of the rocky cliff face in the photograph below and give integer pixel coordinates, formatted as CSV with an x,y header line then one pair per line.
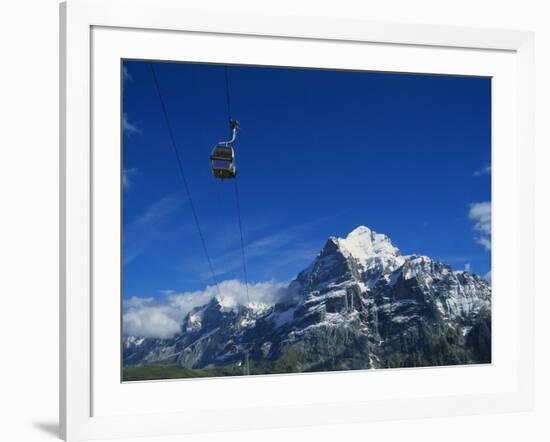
x,y
359,305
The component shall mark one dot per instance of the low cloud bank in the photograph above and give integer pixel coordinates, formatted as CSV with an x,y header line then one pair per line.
x,y
150,318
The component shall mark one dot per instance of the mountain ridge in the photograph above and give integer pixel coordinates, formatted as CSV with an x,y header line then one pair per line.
x,y
359,305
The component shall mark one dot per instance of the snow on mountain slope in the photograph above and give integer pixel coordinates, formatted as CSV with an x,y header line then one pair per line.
x,y
365,245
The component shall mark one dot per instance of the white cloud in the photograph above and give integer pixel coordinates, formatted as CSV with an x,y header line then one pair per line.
x,y
488,277
467,267
486,170
126,174
145,317
125,74
151,226
272,245
129,128
480,213
158,211
150,322
485,242
136,301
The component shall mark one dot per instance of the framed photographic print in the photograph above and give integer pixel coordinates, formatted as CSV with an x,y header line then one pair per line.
x,y
316,221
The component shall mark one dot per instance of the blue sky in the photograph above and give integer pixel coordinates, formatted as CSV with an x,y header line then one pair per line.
x,y
319,153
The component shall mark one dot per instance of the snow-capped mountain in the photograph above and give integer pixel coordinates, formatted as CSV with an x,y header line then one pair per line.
x,y
359,305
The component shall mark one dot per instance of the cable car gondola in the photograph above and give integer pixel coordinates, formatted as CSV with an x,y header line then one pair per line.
x,y
222,158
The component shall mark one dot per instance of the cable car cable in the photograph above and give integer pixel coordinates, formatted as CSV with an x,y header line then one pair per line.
x,y
227,95
232,125
185,183
242,239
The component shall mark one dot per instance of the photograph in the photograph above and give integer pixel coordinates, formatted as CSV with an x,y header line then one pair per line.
x,y
289,220
285,220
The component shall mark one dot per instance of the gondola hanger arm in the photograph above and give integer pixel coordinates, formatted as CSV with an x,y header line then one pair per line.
x,y
234,126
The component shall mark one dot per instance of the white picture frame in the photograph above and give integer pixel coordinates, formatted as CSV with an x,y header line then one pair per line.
x,y
93,404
